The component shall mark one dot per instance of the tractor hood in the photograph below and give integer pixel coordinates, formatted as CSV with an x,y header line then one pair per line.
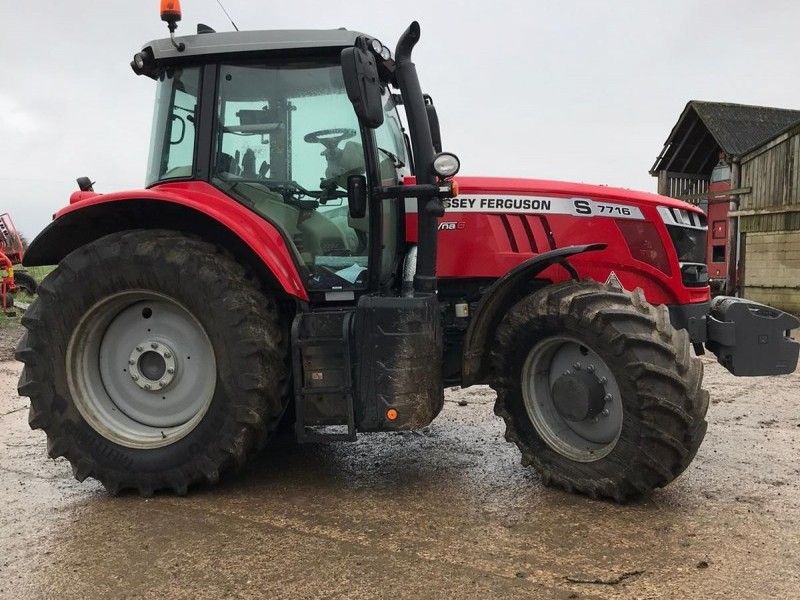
x,y
545,187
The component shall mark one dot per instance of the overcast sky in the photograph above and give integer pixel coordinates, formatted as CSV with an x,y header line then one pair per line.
x,y
584,91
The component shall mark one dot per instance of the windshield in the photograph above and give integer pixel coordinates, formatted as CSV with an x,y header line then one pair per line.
x,y
173,133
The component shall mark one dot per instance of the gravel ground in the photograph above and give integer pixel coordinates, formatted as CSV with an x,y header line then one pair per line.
x,y
10,332
446,513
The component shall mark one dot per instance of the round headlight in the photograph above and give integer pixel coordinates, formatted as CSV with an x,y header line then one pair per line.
x,y
376,46
139,61
386,54
446,164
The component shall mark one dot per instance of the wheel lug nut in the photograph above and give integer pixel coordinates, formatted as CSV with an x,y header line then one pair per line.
x,y
577,366
154,346
135,377
590,368
605,412
608,398
161,384
567,373
139,348
131,362
603,380
167,354
170,370
147,386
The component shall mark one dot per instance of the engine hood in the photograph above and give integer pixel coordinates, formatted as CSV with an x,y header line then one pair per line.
x,y
545,187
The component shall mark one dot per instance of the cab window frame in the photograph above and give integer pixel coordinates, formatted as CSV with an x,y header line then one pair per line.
x,y
206,149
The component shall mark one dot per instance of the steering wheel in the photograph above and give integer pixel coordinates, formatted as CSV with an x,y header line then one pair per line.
x,y
329,138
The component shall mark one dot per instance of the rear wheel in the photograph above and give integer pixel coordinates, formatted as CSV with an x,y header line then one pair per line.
x,y
164,372
598,391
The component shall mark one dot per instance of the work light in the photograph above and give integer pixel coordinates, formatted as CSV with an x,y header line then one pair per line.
x,y
446,164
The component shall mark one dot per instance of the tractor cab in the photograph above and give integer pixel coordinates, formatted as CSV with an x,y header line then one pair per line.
x,y
281,137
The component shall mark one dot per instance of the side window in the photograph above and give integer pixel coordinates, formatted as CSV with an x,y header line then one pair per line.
x,y
391,145
182,136
173,135
393,166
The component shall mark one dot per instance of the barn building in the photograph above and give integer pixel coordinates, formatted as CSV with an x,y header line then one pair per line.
x,y
741,164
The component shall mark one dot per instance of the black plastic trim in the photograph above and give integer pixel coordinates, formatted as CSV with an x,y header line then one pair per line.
x,y
692,318
207,118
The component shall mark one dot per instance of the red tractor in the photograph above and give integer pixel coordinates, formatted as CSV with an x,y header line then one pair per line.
x,y
281,266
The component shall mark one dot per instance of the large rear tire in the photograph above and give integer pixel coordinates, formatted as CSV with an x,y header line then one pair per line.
x,y
153,362
598,390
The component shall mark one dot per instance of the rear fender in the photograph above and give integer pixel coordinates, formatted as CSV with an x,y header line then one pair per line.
x,y
500,297
255,242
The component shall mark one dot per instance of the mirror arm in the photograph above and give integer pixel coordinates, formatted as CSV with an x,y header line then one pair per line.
x,y
424,190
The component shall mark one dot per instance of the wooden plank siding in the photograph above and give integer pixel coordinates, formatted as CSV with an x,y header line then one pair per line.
x,y
769,221
773,174
686,186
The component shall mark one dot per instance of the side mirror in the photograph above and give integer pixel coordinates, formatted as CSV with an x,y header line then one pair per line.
x,y
363,85
433,123
357,196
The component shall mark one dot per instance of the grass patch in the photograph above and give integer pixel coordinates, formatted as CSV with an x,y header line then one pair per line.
x,y
38,273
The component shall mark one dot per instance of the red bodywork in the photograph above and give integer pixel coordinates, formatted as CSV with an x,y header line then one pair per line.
x,y
480,244
260,235
489,244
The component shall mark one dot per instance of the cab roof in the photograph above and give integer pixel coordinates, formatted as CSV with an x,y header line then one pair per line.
x,y
247,42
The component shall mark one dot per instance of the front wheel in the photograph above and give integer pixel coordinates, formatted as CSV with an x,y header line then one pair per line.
x,y
598,391
153,362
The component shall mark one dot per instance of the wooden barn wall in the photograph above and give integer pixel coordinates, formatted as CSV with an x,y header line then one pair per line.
x,y
770,223
773,176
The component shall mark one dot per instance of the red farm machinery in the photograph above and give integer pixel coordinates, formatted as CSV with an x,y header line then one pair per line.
x,y
300,256
12,251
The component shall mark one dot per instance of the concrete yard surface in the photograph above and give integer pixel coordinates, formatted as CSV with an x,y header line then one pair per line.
x,y
444,513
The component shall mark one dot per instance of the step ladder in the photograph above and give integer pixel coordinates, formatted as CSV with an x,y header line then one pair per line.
x,y
323,377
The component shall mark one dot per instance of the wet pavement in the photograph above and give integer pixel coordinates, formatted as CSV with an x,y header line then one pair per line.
x,y
448,513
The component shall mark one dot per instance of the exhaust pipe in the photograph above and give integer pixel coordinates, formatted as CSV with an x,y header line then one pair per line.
x,y
422,144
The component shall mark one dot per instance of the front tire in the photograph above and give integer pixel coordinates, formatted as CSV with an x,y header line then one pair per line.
x,y
598,390
152,362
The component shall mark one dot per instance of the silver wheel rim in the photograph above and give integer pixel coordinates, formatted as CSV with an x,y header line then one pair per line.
x,y
584,440
141,369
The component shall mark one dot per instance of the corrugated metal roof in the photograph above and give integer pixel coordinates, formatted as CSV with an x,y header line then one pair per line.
x,y
705,128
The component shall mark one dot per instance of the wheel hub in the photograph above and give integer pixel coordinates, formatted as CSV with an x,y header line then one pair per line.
x,y
572,398
150,394
152,365
578,396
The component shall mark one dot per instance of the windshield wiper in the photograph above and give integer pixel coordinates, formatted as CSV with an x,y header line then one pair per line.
x,y
398,164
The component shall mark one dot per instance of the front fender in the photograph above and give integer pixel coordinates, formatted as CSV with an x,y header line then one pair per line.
x,y
193,207
502,294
